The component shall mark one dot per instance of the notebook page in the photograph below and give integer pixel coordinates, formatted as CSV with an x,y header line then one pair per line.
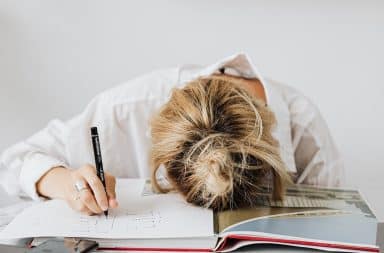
x,y
155,216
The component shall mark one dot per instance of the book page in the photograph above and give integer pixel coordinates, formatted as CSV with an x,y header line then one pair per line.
x,y
312,214
299,199
154,216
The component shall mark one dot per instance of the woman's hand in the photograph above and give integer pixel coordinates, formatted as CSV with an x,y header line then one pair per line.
x,y
91,199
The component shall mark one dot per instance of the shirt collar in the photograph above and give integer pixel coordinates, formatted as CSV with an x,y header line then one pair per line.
x,y
236,65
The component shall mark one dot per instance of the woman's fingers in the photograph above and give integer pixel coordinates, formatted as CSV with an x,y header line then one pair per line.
x,y
89,201
93,198
97,188
85,201
113,203
74,199
78,205
110,183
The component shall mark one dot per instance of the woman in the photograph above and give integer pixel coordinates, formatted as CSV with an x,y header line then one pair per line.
x,y
221,135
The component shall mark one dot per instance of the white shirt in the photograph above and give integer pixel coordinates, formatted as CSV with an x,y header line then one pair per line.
x,y
122,115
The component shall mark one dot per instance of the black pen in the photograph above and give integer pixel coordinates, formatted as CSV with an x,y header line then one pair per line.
x,y
98,160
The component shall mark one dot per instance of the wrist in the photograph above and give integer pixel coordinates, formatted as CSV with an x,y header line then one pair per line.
x,y
53,183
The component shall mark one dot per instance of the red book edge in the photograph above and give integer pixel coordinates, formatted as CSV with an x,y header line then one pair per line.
x,y
154,249
253,238
299,242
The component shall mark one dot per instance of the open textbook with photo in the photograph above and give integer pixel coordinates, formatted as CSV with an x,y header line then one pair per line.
x,y
325,219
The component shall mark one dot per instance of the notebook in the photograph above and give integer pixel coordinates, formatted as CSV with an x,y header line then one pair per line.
x,y
325,219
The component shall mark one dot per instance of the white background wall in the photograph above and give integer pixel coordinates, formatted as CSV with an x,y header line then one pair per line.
x,y
56,55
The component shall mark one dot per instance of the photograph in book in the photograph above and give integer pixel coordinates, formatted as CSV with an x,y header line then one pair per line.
x,y
300,200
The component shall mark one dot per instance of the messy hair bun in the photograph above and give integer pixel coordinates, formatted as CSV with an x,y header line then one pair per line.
x,y
214,140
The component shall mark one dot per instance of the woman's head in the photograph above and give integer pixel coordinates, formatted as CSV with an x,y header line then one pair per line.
x,y
214,140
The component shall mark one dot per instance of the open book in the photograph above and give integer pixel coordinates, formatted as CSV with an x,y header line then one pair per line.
x,y
326,219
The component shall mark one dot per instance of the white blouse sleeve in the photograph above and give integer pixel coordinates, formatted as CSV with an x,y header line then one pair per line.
x,y
115,111
318,161
23,164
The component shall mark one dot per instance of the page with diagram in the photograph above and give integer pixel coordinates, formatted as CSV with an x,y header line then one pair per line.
x,y
139,215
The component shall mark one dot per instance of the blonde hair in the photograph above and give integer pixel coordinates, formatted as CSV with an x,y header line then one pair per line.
x,y
214,140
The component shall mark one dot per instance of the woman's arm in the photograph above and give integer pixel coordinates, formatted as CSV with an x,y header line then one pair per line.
x,y
39,165
122,113
317,158
24,163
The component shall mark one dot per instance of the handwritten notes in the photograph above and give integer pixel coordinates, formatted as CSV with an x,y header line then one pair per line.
x,y
156,216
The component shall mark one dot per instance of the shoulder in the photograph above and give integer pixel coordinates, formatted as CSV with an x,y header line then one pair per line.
x,y
289,92
153,85
139,96
147,91
296,101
